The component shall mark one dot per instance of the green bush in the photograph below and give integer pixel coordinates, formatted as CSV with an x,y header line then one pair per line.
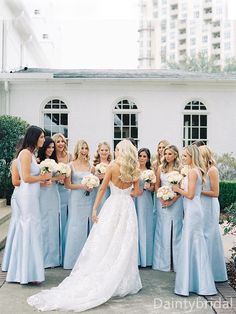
x,y
11,129
226,165
227,193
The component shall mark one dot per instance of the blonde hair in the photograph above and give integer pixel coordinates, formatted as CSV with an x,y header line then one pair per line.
x,y
207,155
78,148
197,160
164,163
97,158
128,160
157,161
55,138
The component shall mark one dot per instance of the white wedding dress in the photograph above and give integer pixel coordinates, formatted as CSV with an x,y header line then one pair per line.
x,y
108,264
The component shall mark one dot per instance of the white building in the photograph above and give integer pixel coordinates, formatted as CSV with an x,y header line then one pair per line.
x,y
28,36
170,30
148,105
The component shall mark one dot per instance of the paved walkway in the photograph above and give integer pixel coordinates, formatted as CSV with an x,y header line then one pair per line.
x,y
156,297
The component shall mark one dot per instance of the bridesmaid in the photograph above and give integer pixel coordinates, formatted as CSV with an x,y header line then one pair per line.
x,y
156,163
62,155
80,205
169,216
15,178
193,272
103,155
144,209
26,261
211,209
49,209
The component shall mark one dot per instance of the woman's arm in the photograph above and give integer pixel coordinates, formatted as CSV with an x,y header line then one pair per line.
x,y
25,159
192,181
214,183
15,177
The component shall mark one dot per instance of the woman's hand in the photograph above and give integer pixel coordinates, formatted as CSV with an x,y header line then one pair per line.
x,y
100,175
94,216
60,178
147,186
176,188
46,176
46,183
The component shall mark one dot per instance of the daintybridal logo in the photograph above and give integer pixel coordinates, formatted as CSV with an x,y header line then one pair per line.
x,y
198,303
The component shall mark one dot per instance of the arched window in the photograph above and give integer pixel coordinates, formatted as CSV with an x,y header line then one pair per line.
x,y
55,117
195,122
125,121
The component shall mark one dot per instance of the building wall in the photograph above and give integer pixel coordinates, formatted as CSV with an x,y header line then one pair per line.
x,y
161,107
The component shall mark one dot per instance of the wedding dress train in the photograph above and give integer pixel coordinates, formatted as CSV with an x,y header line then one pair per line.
x,y
108,264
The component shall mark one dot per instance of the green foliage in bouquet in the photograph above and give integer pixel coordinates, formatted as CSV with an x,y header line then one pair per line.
x,y
227,194
11,129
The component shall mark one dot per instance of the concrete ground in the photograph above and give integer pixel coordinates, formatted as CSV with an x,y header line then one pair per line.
x,y
156,297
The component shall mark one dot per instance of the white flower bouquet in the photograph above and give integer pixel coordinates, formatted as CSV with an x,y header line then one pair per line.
x,y
101,168
165,193
148,176
63,169
91,181
174,177
48,165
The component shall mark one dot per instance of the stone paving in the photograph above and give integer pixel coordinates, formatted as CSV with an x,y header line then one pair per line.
x,y
156,297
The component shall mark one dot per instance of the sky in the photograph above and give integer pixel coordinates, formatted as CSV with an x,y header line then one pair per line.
x,y
101,33
98,33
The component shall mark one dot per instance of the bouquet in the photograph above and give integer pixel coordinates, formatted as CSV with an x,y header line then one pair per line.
x,y
165,193
101,168
91,181
174,177
63,169
48,165
148,176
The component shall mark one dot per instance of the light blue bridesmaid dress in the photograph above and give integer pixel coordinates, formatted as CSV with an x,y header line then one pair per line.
x,y
211,211
167,233
11,231
193,272
64,199
79,220
144,210
49,209
104,198
26,261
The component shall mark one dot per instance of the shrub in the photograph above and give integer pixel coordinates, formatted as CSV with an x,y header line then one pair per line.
x,y
227,193
226,165
11,129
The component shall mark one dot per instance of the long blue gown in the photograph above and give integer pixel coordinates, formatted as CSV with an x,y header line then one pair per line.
x,y
144,210
64,199
194,272
49,209
26,262
79,220
11,231
211,211
167,233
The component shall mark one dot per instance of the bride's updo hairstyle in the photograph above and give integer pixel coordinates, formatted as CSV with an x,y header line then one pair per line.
x,y
128,161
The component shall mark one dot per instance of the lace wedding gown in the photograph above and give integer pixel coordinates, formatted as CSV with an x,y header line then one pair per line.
x,y
108,264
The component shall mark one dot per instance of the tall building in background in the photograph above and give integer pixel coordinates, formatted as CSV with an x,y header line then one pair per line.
x,y
170,30
28,35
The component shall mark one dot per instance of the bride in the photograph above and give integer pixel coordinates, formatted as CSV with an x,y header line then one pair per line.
x,y
108,264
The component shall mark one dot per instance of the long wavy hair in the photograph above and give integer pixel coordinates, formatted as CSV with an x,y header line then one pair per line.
x,y
157,161
55,138
176,163
78,148
197,160
147,151
30,139
42,150
128,161
207,155
97,158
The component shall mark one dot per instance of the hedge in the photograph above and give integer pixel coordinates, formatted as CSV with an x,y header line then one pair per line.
x,y
227,193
